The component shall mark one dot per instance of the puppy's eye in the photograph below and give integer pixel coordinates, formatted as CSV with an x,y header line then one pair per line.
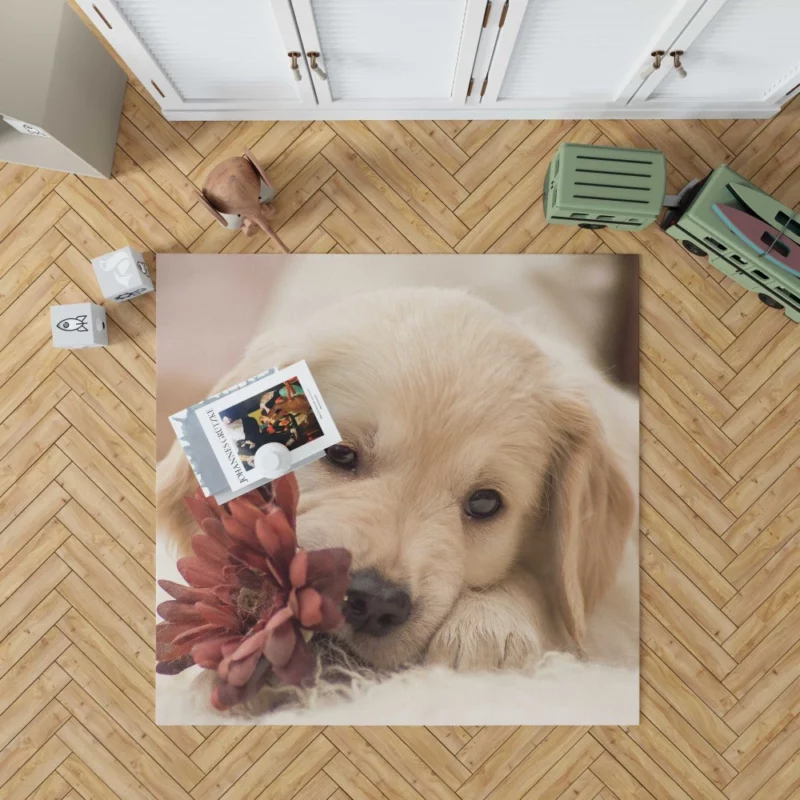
x,y
341,455
483,503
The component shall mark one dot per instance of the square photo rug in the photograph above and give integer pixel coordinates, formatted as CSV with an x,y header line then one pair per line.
x,y
456,540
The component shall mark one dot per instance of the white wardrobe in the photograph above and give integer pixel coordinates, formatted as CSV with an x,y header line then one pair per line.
x,y
329,59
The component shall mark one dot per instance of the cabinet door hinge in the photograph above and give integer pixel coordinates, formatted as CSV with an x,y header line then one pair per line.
x,y
486,13
503,15
469,88
483,88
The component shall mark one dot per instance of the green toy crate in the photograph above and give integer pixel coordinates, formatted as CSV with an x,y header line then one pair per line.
x,y
695,224
605,187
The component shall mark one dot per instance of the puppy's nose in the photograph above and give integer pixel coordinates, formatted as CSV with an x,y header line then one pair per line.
x,y
374,605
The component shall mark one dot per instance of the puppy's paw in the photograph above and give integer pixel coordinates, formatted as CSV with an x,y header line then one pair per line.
x,y
485,631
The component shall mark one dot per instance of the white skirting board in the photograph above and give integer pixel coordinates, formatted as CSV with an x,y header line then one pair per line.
x,y
700,111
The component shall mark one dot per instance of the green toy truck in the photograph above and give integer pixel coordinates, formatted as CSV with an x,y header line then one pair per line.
x,y
701,231
605,187
608,187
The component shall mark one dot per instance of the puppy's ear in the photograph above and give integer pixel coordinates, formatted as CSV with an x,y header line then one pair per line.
x,y
591,509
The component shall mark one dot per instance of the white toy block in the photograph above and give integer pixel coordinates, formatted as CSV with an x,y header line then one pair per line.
x,y
25,127
78,325
122,275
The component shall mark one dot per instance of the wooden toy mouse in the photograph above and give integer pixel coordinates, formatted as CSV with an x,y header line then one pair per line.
x,y
237,192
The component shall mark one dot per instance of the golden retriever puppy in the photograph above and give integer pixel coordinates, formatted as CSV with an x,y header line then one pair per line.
x,y
475,486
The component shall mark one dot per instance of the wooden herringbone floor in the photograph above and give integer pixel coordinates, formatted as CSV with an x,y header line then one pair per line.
x,y
720,377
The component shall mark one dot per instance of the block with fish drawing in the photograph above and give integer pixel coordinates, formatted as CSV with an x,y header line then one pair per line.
x,y
122,275
78,325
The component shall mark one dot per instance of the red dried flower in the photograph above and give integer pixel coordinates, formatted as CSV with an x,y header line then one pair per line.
x,y
251,594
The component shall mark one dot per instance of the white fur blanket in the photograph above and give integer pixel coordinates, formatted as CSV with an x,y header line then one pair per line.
x,y
561,691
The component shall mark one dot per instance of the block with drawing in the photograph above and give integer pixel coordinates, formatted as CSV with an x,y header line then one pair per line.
x,y
122,275
78,325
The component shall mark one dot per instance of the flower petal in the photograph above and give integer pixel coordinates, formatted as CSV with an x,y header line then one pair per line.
x,y
292,603
197,634
244,555
284,529
223,696
240,576
167,632
332,616
241,532
223,667
215,615
246,512
298,569
212,503
309,611
260,498
208,654
208,550
174,640
286,493
175,666
186,594
199,508
214,528
329,572
198,573
268,539
299,669
230,647
279,577
280,643
241,670
174,611
249,645
226,694
225,595
278,618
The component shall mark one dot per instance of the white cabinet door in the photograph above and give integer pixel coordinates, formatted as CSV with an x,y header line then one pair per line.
x,y
208,54
737,51
575,54
390,53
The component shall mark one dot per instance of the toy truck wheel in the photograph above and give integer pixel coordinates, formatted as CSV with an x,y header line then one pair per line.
x,y
770,301
592,226
694,249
